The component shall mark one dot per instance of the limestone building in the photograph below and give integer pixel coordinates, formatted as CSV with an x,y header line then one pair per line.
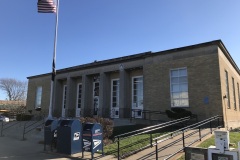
x,y
201,78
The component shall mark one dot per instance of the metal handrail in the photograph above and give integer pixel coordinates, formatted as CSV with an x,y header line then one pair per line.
x,y
182,131
180,139
25,131
8,124
174,133
155,127
143,131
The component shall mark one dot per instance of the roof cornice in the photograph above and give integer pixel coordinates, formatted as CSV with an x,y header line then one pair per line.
x,y
143,55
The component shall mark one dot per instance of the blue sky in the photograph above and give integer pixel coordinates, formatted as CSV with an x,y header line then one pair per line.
x,y
102,29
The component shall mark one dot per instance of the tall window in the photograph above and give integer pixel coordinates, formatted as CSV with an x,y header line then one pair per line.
x,y
227,89
238,96
64,96
115,93
79,95
179,87
234,96
96,89
115,98
38,99
79,100
137,83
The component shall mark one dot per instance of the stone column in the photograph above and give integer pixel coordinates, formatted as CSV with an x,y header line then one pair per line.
x,y
124,111
71,100
104,110
86,109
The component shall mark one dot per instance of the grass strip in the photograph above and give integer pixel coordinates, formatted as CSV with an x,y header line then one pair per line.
x,y
130,144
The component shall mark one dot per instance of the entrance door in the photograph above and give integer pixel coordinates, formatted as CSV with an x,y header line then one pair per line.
x,y
137,96
95,98
79,100
115,98
64,100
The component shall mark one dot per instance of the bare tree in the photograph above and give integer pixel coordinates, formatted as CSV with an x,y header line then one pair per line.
x,y
16,90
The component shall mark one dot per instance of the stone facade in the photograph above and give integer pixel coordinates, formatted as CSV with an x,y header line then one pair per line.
x,y
206,66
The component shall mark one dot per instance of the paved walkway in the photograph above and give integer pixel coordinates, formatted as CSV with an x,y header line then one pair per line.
x,y
13,148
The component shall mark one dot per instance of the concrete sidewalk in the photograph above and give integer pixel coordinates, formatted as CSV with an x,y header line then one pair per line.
x,y
15,149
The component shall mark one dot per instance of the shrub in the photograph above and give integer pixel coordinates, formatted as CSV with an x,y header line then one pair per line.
x,y
176,113
23,117
178,110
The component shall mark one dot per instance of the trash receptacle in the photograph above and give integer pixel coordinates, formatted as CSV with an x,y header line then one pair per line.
x,y
50,133
92,137
69,137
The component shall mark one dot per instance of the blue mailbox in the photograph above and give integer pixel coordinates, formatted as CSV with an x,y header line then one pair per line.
x,y
50,133
69,137
92,137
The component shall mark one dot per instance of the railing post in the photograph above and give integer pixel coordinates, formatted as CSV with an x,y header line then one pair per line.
x,y
183,138
2,129
223,122
24,130
200,136
156,149
118,149
211,126
151,139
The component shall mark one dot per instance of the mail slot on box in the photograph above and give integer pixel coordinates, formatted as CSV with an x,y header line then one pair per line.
x,y
69,137
92,137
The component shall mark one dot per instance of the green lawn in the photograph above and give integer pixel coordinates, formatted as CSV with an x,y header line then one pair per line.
x,y
234,139
133,144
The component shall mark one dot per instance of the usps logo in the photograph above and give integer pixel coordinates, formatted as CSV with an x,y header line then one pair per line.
x,y
86,145
76,136
96,143
55,134
97,131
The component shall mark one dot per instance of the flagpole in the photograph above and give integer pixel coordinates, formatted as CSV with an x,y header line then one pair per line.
x,y
53,64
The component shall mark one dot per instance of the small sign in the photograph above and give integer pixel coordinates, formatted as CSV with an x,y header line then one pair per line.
x,y
76,136
86,145
216,156
194,153
222,158
55,134
195,156
206,100
96,143
97,131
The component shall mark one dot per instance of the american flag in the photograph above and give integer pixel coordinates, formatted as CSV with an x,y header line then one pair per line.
x,y
46,6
